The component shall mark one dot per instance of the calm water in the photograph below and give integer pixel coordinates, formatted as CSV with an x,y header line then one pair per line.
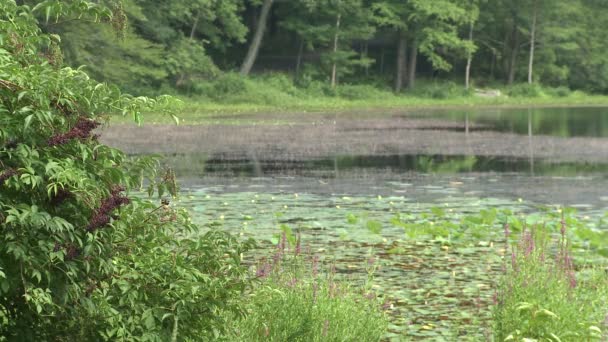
x,y
350,206
582,184
562,122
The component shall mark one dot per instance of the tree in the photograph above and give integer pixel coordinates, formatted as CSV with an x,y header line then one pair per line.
x,y
472,11
254,47
393,14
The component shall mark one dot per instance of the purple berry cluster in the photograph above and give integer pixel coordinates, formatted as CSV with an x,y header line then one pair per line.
x,y
60,196
6,174
82,130
102,216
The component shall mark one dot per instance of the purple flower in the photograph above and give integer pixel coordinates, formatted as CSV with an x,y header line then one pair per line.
x,y
371,261
298,245
513,260
263,271
315,266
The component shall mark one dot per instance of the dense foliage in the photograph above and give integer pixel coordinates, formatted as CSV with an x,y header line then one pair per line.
x,y
81,258
389,42
313,304
543,297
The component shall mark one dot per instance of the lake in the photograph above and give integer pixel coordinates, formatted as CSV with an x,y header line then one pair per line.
x,y
396,185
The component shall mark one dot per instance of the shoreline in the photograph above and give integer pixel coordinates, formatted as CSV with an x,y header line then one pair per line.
x,y
192,112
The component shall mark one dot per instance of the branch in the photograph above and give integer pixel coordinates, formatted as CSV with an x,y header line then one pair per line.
x,y
10,85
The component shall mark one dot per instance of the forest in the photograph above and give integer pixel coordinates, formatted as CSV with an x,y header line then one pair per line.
x,y
187,46
303,170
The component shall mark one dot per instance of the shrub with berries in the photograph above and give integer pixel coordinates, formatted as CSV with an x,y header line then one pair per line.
x,y
81,257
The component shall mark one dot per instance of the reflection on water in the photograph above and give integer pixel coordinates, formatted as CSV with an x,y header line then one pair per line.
x,y
541,176
193,165
562,122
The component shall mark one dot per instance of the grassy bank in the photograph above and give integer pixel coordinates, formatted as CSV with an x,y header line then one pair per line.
x,y
232,98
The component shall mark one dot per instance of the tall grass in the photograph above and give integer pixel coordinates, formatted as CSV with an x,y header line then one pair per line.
x,y
295,301
544,295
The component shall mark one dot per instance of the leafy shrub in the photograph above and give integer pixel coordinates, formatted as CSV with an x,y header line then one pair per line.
x,y
559,91
360,92
81,258
280,81
294,302
525,90
542,297
228,84
441,90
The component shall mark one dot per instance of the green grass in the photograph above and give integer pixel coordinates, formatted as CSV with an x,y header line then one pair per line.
x,y
232,99
294,301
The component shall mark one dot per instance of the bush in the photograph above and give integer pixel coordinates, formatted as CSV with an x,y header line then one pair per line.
x,y
279,81
294,303
559,91
525,90
360,92
441,90
81,258
542,297
228,84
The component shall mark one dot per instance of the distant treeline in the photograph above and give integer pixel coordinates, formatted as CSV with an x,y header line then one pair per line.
x,y
165,44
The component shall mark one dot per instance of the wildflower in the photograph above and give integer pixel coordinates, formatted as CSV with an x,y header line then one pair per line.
x,y
332,289
283,242
292,282
507,231
263,271
315,266
528,242
298,245
513,260
371,261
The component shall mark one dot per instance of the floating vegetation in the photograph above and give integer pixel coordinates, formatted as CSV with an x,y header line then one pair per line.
x,y
438,263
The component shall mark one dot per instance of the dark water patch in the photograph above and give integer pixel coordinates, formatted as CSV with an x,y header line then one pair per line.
x,y
191,165
562,122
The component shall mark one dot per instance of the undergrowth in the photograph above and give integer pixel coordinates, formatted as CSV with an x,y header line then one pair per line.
x,y
296,301
544,296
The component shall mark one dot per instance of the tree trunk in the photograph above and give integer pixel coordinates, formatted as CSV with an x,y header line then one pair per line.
x,y
467,76
334,66
401,62
365,53
532,42
299,58
492,64
381,61
514,53
252,53
411,70
182,77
